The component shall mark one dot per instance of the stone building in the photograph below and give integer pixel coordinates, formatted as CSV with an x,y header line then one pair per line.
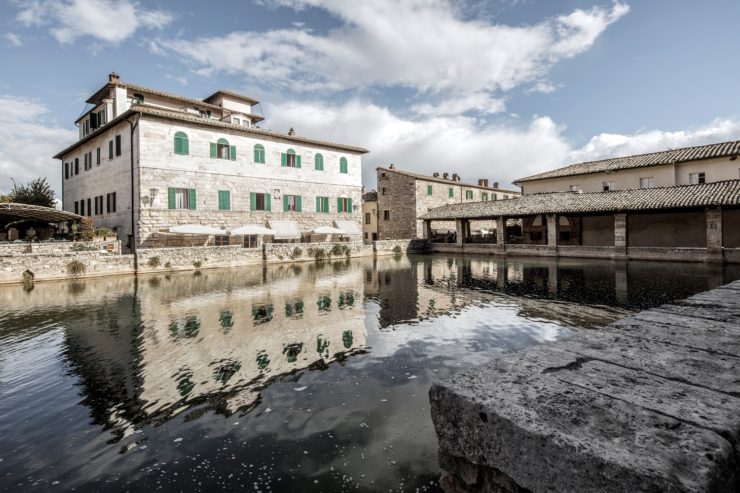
x,y
147,160
404,196
370,217
686,166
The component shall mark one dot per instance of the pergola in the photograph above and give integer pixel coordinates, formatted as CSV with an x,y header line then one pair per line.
x,y
41,213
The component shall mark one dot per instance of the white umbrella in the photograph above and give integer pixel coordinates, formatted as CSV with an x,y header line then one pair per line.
x,y
197,229
253,229
328,230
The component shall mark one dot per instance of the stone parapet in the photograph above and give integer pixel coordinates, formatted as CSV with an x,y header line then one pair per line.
x,y
297,252
49,266
388,247
189,258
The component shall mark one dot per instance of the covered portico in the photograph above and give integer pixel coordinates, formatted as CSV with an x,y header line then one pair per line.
x,y
692,222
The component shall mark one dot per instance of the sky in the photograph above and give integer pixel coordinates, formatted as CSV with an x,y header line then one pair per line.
x,y
496,89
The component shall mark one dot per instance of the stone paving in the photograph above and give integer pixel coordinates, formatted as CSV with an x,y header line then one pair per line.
x,y
649,403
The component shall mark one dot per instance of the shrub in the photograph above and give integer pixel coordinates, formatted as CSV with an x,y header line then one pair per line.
x,y
297,252
168,265
319,254
87,231
75,268
27,280
397,250
103,232
153,262
339,250
82,247
197,264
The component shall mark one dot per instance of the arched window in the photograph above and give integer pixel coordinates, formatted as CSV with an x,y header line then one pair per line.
x,y
181,143
343,165
222,150
289,159
318,162
259,154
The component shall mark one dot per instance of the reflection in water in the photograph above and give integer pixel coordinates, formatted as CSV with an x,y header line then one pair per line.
x,y
307,377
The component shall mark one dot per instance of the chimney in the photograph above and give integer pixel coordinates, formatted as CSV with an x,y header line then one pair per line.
x,y
455,177
446,176
435,175
495,184
114,78
291,131
483,182
392,166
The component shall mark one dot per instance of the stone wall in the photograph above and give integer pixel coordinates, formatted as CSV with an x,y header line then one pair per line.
x,y
397,198
386,247
45,266
286,252
164,259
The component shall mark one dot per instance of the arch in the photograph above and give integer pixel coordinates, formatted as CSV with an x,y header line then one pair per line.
x,y
537,221
222,141
290,151
343,167
319,162
181,143
259,153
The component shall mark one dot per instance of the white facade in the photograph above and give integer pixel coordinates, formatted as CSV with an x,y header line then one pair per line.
x,y
220,192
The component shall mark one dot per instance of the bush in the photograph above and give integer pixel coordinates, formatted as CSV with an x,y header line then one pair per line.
x,y
75,268
397,250
319,254
154,262
338,250
103,232
297,252
82,247
87,230
27,280
197,264
168,265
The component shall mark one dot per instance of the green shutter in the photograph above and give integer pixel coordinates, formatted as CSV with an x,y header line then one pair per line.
x,y
429,190
224,200
268,202
326,204
191,197
213,150
339,204
185,146
285,203
171,197
252,201
298,161
177,144
349,205
232,150
298,203
283,160
318,204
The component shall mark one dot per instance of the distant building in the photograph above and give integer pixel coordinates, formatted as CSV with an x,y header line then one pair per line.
x,y
686,166
404,196
370,216
146,160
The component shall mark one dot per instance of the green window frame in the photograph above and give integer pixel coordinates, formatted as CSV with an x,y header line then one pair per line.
x,y
222,150
344,204
343,167
191,199
224,200
259,154
451,192
468,194
430,190
322,204
254,202
318,162
181,143
289,159
291,203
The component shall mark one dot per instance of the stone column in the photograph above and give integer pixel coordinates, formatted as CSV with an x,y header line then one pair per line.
x,y
500,231
552,230
620,234
460,227
428,229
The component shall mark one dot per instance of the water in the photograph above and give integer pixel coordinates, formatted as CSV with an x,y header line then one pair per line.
x,y
306,377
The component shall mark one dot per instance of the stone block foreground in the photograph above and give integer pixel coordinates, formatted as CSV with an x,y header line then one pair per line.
x,y
649,403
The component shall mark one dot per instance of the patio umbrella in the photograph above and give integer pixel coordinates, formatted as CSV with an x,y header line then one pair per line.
x,y
197,229
328,230
253,229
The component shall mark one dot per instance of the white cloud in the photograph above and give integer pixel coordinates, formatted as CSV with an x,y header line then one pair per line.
x,y
110,21
13,39
425,45
480,103
468,146
28,140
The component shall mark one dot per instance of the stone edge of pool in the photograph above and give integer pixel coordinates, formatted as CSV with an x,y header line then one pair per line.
x,y
648,403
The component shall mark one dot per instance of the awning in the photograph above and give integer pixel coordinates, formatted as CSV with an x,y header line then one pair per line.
x,y
253,229
351,228
285,230
38,212
327,230
197,229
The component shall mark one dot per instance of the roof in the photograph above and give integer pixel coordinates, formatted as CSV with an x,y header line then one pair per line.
x,y
233,94
442,180
370,196
671,156
38,212
144,109
146,90
722,193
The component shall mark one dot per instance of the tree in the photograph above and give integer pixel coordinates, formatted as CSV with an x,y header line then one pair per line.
x,y
5,198
35,192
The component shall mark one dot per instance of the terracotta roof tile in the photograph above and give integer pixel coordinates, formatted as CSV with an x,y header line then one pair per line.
x,y
448,182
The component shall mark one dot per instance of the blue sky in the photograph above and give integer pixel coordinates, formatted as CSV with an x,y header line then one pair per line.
x,y
498,89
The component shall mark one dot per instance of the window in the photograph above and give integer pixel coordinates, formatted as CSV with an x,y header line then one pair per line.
x,y
451,192
343,168
110,149
224,200
110,202
82,207
468,194
696,178
368,220
222,150
290,160
181,198
259,154
430,190
139,98
181,144
344,204
97,210
322,204
260,202
366,235
77,207
291,203
318,162
221,240
250,241
383,190
575,188
98,157
484,196
505,197
89,207
118,145
66,171
608,186
77,166
386,215
647,182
